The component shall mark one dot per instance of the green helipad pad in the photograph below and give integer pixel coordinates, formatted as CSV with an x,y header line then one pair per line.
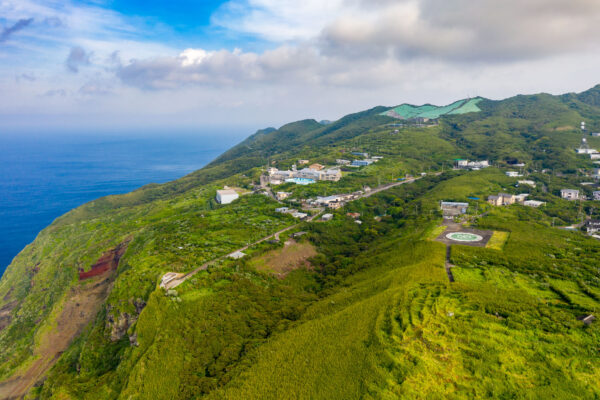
x,y
464,237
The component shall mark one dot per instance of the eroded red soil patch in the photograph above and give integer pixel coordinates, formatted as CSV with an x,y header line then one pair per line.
x,y
108,262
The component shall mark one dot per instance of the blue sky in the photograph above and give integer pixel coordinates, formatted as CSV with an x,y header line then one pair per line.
x,y
150,65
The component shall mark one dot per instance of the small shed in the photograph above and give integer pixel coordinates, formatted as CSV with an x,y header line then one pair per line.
x,y
237,255
226,196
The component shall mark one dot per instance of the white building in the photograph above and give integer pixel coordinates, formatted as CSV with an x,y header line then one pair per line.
x,y
226,196
569,194
474,165
333,175
513,174
327,217
534,203
596,195
237,255
341,161
527,182
299,215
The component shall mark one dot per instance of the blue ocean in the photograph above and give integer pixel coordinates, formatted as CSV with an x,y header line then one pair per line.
x,y
43,177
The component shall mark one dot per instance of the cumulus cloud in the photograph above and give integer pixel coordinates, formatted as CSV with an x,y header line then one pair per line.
x,y
458,30
213,68
77,58
343,41
11,30
463,30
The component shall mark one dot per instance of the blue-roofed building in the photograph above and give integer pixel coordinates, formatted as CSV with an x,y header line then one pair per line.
x,y
361,163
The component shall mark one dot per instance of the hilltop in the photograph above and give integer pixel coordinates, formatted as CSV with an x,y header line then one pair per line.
x,y
356,305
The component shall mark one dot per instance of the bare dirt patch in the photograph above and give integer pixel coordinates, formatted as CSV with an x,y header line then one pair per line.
x,y
81,307
564,128
282,261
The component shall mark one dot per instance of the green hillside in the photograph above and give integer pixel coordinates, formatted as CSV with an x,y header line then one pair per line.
x,y
370,314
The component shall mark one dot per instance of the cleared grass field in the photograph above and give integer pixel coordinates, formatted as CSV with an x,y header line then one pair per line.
x,y
498,240
281,261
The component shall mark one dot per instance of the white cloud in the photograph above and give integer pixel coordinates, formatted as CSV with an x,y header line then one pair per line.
x,y
323,59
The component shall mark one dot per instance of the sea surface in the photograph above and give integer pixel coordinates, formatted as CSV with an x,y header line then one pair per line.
x,y
44,176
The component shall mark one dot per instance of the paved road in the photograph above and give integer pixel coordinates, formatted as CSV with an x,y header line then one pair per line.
x,y
178,281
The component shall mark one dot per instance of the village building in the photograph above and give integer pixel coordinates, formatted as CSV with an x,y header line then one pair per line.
x,y
282,195
364,155
520,198
527,182
569,194
534,203
334,206
327,200
473,165
451,209
361,163
502,199
595,156
302,162
299,215
226,196
596,195
333,175
282,210
353,215
341,161
316,167
513,174
592,226
327,217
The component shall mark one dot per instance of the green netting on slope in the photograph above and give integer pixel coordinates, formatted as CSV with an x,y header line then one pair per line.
x,y
439,111
469,106
407,111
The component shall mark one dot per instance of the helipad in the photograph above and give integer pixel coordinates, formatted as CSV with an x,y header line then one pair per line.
x,y
464,237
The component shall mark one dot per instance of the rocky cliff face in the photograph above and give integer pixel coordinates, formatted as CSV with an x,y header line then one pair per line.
x,y
119,325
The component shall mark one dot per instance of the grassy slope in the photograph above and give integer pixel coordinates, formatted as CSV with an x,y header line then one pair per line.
x,y
163,218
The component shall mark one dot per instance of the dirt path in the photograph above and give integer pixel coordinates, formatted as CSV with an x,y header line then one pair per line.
x,y
448,265
79,310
